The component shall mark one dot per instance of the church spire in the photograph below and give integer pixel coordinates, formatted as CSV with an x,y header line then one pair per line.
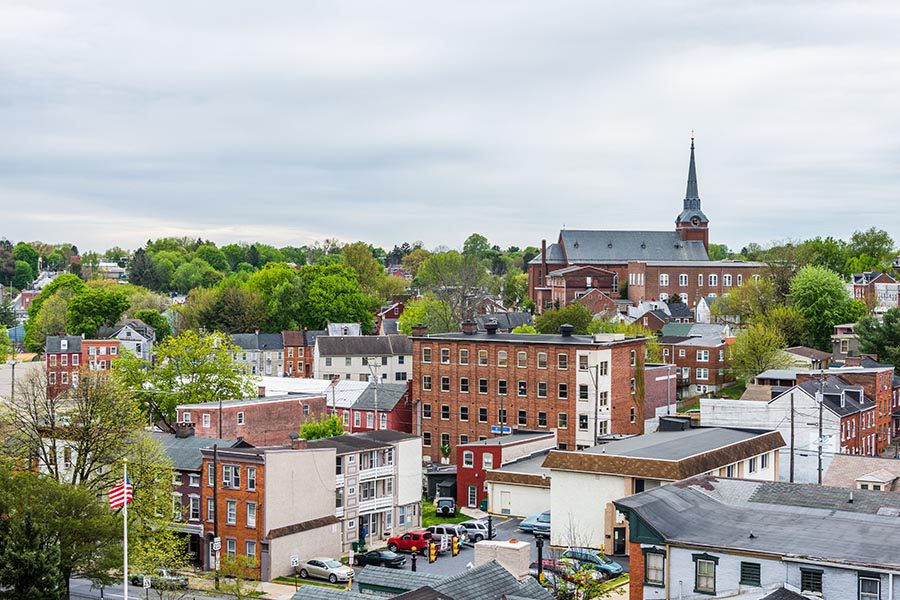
x,y
692,192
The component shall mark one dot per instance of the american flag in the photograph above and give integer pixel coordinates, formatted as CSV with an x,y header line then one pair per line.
x,y
120,494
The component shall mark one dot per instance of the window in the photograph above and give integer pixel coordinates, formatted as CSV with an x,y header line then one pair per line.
x,y
426,438
702,374
399,376
482,415
632,414
542,389
542,419
327,361
502,360
703,355
64,360
726,280
445,439
251,514
603,399
582,362
521,360
683,280
52,360
348,361
464,356
231,476
231,512
251,549
751,465
445,356
542,360
632,358
52,378
64,377
582,392
562,361
705,573
231,548
426,383
713,280
869,587
468,459
74,360
501,387
633,387
583,422
729,471
663,279
210,509
240,418
357,419
445,412
445,384
400,360
523,418
426,355
194,508
194,479
810,580
751,574
764,461
563,391
206,420
463,413
522,388
562,420
699,279
654,567
501,416
464,385
426,411
681,353
482,386
463,439
370,420
482,358
487,461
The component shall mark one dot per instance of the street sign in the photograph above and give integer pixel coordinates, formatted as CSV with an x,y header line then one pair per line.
x,y
350,558
218,562
217,544
499,429
295,560
146,582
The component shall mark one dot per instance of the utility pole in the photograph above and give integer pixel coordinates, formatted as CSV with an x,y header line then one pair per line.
x,y
821,400
216,505
792,437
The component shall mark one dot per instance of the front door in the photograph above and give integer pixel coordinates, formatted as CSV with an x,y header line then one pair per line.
x,y
505,503
473,496
618,540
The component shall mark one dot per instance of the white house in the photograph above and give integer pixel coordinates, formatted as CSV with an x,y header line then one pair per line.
x,y
137,337
363,357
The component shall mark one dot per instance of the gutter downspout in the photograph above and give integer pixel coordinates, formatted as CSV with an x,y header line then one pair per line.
x,y
668,570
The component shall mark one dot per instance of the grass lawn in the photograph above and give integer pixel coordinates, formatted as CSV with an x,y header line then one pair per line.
x,y
298,581
614,583
734,391
430,516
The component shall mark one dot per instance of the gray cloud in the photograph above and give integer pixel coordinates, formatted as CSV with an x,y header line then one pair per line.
x,y
391,121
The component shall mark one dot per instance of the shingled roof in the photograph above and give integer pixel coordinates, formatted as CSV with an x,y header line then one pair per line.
x,y
304,526
364,345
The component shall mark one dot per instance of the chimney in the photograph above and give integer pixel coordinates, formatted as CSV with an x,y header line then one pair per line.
x,y
469,327
566,329
544,262
261,391
184,430
298,443
419,330
491,327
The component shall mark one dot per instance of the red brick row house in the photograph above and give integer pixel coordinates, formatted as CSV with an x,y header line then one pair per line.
x,y
66,355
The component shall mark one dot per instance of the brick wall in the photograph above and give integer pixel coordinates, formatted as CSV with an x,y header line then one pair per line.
x,y
264,423
636,562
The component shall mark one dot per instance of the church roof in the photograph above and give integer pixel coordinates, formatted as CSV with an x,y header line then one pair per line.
x,y
586,247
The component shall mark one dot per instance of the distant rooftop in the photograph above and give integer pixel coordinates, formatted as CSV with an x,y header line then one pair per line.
x,y
513,438
526,338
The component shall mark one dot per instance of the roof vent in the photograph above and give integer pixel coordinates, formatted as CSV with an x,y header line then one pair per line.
x,y
643,245
566,329
491,327
851,497
609,245
575,245
752,536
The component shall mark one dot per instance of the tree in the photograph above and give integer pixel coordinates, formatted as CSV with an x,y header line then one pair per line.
x,y
455,279
157,321
29,560
719,252
476,244
652,352
279,286
24,275
753,299
235,254
525,329
827,252
819,296
788,321
358,256
92,309
27,253
317,429
515,288
873,242
331,294
67,281
390,286
7,312
412,261
213,256
430,312
144,270
190,368
577,315
239,577
881,338
6,348
51,320
196,273
757,349
7,262
233,308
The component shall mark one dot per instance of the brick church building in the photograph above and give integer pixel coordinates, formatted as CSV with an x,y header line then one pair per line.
x,y
637,265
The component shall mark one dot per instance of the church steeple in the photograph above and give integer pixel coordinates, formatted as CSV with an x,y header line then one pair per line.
x,y
692,224
692,193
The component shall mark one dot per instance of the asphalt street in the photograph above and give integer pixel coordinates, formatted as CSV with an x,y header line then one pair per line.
x,y
82,589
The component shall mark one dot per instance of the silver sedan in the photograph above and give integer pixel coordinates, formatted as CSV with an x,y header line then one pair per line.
x,y
325,568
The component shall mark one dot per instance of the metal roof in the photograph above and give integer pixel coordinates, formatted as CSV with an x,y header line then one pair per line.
x,y
364,345
591,247
185,452
53,343
388,394
675,445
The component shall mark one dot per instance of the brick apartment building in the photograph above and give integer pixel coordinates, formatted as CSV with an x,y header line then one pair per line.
x,y
299,350
653,264
260,421
66,355
382,406
471,386
701,363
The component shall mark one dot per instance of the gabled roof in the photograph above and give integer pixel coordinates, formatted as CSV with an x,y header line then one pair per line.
x,y
185,452
680,310
258,341
839,397
597,247
575,268
390,326
870,276
807,352
506,321
555,256
364,345
53,343
490,581
783,594
343,329
389,394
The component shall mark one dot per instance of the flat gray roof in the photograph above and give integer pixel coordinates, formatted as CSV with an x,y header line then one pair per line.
x,y
513,438
675,445
530,465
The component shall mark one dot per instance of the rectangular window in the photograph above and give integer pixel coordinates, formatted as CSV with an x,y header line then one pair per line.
x,y
751,465
445,412
464,385
583,422
632,414
445,439
705,580
52,360
501,387
370,420
523,418
463,439
501,416
542,389
633,387
563,391
464,357
251,550
74,360
463,413
240,418
740,279
502,360
426,383
702,374
726,280
482,386
632,358
251,514
445,356
52,379
194,508
699,279
426,411
810,580
468,459
713,280
445,384
64,377
231,512
487,461
210,509
683,279
426,355
64,360
654,568
521,360
426,438
582,362
562,420
206,420
603,400
194,479
542,360
327,361
231,548
542,419
348,361
663,279
751,574
482,358
583,392
764,461
482,415
869,588
703,355
562,361
522,388
604,368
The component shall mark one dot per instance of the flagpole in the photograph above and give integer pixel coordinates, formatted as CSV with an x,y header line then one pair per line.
x,y
125,529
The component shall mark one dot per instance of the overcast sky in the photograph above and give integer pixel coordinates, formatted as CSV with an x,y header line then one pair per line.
x,y
289,122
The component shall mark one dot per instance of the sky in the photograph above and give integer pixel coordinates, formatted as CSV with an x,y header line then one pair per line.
x,y
291,122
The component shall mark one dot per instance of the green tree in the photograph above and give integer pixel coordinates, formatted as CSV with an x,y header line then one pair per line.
x,y
331,294
515,288
6,348
430,312
881,338
235,309
27,253
239,575
820,297
144,270
577,315
24,275
747,302
412,261
477,245
7,312
652,351
390,286
67,281
455,279
873,242
827,252
51,320
196,273
213,256
525,329
29,560
757,349
157,321
279,285
315,429
358,256
235,254
92,309
7,262
788,321
719,252
56,260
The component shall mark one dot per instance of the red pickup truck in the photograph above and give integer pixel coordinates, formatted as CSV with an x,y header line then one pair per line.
x,y
414,541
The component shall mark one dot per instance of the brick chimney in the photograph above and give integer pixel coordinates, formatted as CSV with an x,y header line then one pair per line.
x,y
419,330
470,327
184,430
299,444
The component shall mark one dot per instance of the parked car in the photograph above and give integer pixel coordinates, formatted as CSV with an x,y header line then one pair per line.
x,y
325,568
530,521
381,558
406,542
447,531
478,530
162,580
593,559
446,507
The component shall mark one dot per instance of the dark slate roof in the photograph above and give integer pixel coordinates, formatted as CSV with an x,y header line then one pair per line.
x,y
424,593
391,326
490,581
364,345
869,277
347,443
680,310
258,341
389,394
808,352
506,321
185,452
797,519
554,256
52,343
396,579
315,592
592,247
836,389
783,594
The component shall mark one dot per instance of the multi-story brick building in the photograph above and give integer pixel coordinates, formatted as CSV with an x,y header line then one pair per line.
x,y
299,351
471,386
878,290
701,363
261,421
66,355
381,406
653,264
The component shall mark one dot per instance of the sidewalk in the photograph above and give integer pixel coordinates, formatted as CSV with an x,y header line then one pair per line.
x,y
277,591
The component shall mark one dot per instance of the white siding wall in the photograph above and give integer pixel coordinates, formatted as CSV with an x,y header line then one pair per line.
x,y
523,500
324,541
299,486
578,504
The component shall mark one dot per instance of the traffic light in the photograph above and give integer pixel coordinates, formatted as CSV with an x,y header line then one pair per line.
x,y
432,552
455,546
